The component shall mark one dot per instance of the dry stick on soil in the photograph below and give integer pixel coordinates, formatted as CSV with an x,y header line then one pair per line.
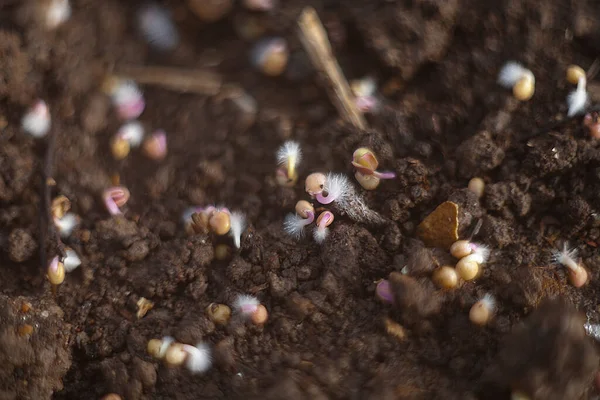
x,y
315,42
181,80
47,226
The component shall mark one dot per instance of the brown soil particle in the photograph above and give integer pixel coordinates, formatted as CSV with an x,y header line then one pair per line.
x,y
34,365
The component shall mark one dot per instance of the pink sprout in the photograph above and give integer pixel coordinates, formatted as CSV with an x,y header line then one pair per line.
x,y
114,198
384,291
53,266
367,103
246,305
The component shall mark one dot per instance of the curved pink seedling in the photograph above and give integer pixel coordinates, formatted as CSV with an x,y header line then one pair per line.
x,y
384,175
131,109
114,198
384,291
325,199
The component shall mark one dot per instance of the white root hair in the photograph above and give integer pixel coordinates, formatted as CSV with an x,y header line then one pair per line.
x,y
510,73
238,225
577,99
290,150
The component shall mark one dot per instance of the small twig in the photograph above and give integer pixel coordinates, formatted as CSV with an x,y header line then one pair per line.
x,y
315,42
47,227
180,80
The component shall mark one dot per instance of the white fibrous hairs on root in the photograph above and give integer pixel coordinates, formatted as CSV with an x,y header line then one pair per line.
x,y
243,301
289,150
320,234
198,359
293,225
157,27
577,99
510,73
238,225
338,186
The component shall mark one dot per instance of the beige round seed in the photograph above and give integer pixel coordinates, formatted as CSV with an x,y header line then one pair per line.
x,y
322,215
578,277
303,207
368,182
175,355
574,72
445,277
467,269
119,148
57,277
153,347
315,183
524,88
480,313
218,313
460,249
477,186
260,316
220,223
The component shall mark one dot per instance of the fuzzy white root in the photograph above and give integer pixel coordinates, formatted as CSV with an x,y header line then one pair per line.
x,y
238,225
577,99
510,73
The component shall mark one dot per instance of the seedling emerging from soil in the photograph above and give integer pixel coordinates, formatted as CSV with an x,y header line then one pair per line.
x,y
157,27
259,5
71,261
64,221
126,97
36,120
175,355
383,291
323,221
250,308
518,78
591,122
294,224
59,207
337,188
366,163
574,73
445,277
55,12
56,272
468,267
365,96
114,198
198,358
577,273
463,248
270,56
238,225
157,348
155,147
289,156
481,313
218,313
578,99
129,135
66,224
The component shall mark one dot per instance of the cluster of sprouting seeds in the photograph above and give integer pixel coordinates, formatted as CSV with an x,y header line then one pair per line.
x,y
270,56
197,359
327,189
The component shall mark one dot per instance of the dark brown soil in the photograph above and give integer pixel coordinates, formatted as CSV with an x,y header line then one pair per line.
x,y
446,122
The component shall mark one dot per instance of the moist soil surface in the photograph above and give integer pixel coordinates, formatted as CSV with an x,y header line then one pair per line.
x,y
444,120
